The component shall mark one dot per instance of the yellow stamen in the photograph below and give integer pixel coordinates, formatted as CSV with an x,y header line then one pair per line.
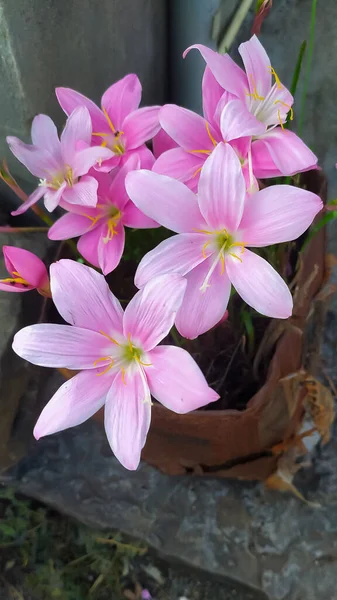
x,y
222,260
280,119
196,172
112,223
93,219
204,231
129,342
108,337
210,135
254,94
235,256
277,79
143,363
287,106
201,151
104,358
103,145
109,121
123,375
14,280
101,134
203,251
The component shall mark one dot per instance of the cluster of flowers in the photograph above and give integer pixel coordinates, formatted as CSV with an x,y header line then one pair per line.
x,y
201,182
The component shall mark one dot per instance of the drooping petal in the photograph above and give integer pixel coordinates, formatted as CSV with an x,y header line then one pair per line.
x,y
29,266
44,135
178,254
161,143
78,128
203,308
69,226
75,401
188,129
257,65
52,198
60,346
110,250
236,122
225,70
257,282
70,99
133,217
222,189
179,164
141,125
150,315
88,243
127,418
83,298
167,201
89,157
280,213
122,98
176,381
211,94
32,199
84,192
37,160
117,193
283,149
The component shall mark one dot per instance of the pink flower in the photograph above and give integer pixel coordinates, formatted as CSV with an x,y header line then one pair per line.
x,y
120,125
102,228
118,354
241,109
27,272
211,250
62,165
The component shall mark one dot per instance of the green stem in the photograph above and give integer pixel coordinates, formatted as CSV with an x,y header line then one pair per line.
x,y
309,61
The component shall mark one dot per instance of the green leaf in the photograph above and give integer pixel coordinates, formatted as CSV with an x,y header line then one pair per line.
x,y
315,228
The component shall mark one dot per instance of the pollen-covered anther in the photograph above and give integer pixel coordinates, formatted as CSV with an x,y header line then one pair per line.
x,y
277,79
254,94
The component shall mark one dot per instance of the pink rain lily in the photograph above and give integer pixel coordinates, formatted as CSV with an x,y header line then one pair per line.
x,y
61,164
120,125
118,352
26,272
102,228
245,110
214,231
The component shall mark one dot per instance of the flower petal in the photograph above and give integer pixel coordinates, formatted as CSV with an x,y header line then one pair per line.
x,y
127,419
145,156
222,189
133,217
179,164
202,309
161,143
29,266
236,122
84,192
257,65
178,254
150,315
60,346
52,198
89,157
83,298
225,70
75,401
44,135
32,199
274,109
280,213
211,94
117,193
69,226
283,149
176,381
122,98
188,129
37,160
88,243
167,201
110,250
70,99
257,282
78,128
141,125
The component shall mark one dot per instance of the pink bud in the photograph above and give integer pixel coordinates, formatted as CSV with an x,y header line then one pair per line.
x,y
26,272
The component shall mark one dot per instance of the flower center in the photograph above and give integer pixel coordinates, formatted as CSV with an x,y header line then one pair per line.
x,y
58,179
224,242
111,140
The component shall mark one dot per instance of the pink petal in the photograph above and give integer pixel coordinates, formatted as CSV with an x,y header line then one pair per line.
x,y
179,164
69,226
202,309
29,266
176,381
17,287
78,128
70,99
178,254
236,122
225,70
89,157
188,129
38,161
133,217
110,250
162,142
122,98
145,156
150,315
257,282
276,106
52,198
84,192
257,65
88,243
167,201
83,298
211,94
44,136
60,346
127,419
277,214
32,199
107,165
141,125
287,151
222,189
117,193
75,401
